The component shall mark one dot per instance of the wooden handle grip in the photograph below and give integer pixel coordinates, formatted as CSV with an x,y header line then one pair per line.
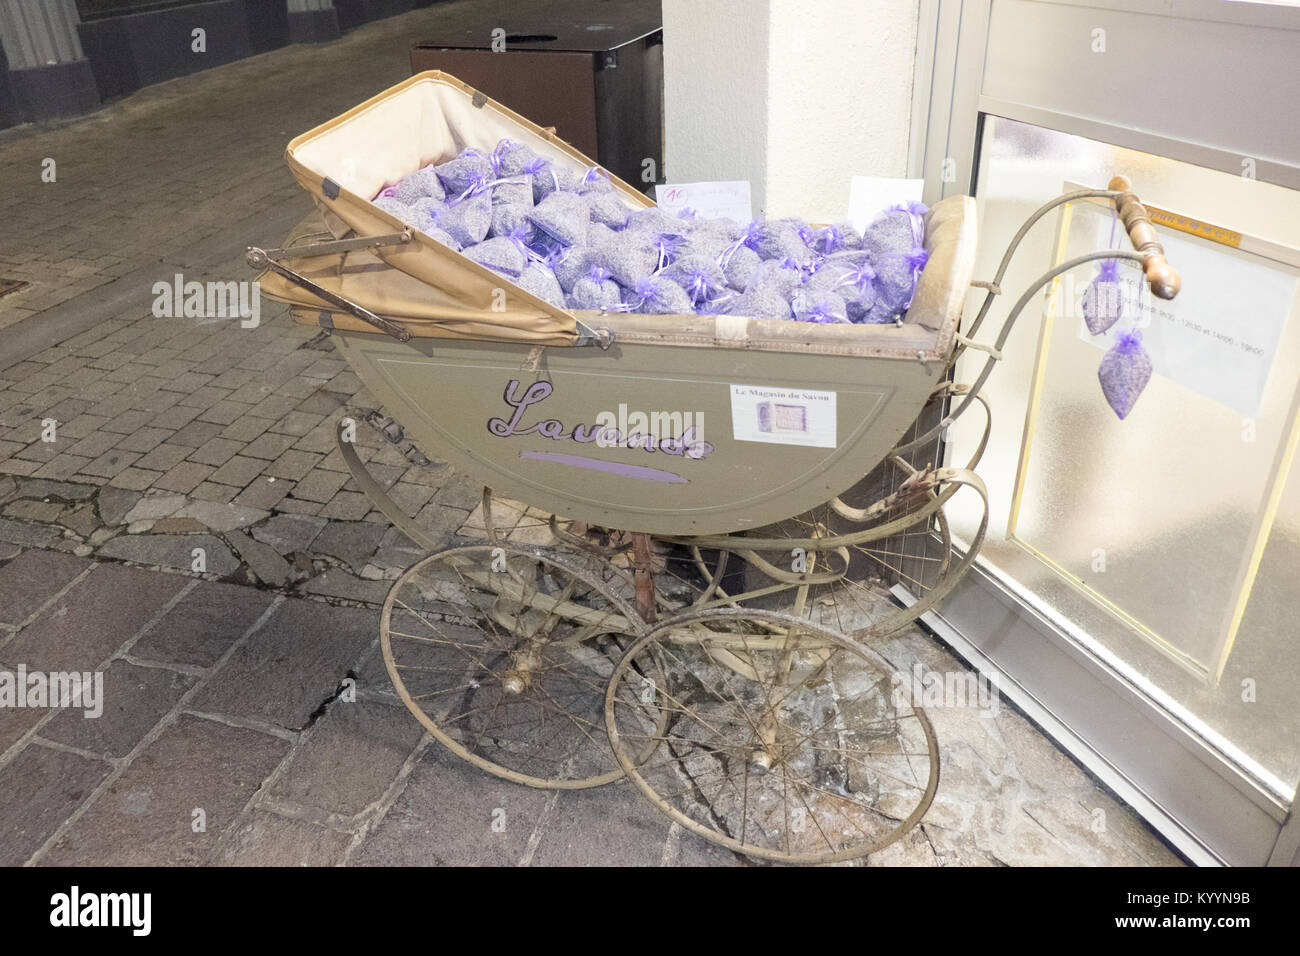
x,y
1160,275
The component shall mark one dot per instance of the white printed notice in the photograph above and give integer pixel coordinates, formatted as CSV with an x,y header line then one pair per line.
x,y
869,196
783,416
1219,335
727,200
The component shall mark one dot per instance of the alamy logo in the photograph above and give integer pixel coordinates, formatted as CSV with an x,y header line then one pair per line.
x,y
931,689
134,910
208,300
38,689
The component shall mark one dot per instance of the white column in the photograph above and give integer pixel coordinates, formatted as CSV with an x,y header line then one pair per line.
x,y
797,97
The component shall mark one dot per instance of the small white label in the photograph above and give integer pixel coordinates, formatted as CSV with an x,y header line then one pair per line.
x,y
869,196
783,416
727,200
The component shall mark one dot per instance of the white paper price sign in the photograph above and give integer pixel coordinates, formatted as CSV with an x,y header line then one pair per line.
x,y
727,200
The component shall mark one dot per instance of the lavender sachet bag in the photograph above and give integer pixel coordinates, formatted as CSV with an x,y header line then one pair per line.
x,y
501,255
899,229
468,217
509,158
825,308
423,183
657,296
570,264
564,216
739,263
628,256
540,281
550,177
699,276
596,291
465,171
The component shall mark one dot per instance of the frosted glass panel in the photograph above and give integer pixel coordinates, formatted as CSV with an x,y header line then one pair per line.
x,y
1163,542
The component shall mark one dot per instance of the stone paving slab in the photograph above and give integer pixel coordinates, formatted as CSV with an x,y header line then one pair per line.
x,y
291,666
147,816
268,839
91,620
350,758
31,579
198,631
445,816
38,790
135,699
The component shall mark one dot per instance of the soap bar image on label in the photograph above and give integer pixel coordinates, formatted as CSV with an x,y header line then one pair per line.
x,y
784,416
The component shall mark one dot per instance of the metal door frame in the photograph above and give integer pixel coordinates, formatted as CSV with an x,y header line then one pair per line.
x,y
1202,803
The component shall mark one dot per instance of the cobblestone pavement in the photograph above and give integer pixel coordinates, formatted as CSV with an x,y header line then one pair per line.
x,y
178,439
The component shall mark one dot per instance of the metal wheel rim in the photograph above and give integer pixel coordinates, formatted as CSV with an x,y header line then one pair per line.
x,y
403,693
632,770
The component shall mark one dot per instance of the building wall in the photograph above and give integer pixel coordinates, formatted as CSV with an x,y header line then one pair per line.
x,y
797,97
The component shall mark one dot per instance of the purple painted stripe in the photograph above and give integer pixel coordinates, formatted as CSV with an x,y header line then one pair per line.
x,y
639,472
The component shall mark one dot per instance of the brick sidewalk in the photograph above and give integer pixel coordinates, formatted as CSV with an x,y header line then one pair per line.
x,y
232,706
175,436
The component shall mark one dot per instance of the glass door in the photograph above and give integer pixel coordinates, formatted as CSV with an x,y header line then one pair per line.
x,y
1140,581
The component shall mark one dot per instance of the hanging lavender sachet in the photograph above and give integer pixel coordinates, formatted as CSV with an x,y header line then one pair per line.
x,y
1124,372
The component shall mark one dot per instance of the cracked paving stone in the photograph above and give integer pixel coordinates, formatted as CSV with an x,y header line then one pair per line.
x,y
28,535
288,533
354,753
221,516
350,541
262,559
337,583
172,551
153,506
115,503
292,664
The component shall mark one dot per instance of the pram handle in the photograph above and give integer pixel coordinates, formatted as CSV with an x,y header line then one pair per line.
x,y
1160,275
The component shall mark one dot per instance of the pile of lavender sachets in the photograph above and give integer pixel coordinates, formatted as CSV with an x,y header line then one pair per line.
x,y
570,240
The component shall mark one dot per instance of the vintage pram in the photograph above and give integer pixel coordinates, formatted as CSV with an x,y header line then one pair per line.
x,y
701,617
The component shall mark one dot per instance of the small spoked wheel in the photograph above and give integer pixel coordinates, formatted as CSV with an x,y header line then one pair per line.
x,y
783,740
503,653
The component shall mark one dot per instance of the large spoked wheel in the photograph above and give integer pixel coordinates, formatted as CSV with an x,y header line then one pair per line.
x,y
503,653
783,740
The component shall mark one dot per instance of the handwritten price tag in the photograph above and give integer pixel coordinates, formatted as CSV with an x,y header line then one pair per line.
x,y
729,200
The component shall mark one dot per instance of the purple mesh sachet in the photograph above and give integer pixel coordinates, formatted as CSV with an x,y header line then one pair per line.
x,y
825,308
571,264
699,276
1124,372
421,184
468,218
1103,299
596,291
459,174
564,216
658,296
500,255
540,281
